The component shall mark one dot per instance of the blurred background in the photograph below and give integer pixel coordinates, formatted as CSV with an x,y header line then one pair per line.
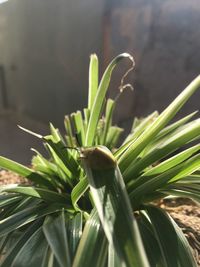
x,y
44,58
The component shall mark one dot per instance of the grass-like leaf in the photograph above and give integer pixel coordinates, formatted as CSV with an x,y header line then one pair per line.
x,y
93,80
79,126
74,230
56,235
78,192
35,245
25,216
44,194
114,209
174,247
24,171
92,249
164,148
92,201
173,161
137,146
14,251
99,99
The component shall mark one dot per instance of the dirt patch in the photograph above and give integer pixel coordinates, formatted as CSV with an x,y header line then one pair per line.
x,y
7,177
187,215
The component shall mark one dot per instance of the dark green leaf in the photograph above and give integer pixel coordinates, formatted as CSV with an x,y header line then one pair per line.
x,y
92,249
56,235
25,216
13,252
174,247
32,252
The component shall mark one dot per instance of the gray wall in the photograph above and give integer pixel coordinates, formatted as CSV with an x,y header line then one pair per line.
x,y
45,48
164,38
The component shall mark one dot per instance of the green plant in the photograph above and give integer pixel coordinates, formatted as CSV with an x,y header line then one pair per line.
x,y
90,207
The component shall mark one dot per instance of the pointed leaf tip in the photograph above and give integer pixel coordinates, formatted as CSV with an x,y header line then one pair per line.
x,y
30,132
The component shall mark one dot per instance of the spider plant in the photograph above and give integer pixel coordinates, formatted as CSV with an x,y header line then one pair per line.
x,y
92,202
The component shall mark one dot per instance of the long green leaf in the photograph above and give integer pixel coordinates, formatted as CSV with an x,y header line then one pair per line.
x,y
9,199
74,230
49,169
7,241
56,135
93,80
25,203
135,133
99,99
68,129
174,247
113,206
77,120
78,191
163,149
136,148
170,128
185,251
194,178
113,136
92,249
113,259
65,173
64,157
56,235
108,119
24,171
189,167
41,193
182,190
163,139
25,216
32,252
150,242
13,252
143,186
142,126
49,259
173,161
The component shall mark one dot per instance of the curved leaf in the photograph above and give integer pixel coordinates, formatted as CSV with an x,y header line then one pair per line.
x,y
100,97
174,247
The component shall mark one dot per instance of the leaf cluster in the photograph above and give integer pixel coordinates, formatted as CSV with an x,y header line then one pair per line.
x,y
75,214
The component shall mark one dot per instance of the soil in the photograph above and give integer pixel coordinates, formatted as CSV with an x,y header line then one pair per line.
x,y
7,177
185,212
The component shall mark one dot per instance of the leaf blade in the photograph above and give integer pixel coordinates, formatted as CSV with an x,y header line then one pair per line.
x,y
134,150
55,232
99,99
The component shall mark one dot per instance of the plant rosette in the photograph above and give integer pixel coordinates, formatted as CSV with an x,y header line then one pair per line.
x,y
91,201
